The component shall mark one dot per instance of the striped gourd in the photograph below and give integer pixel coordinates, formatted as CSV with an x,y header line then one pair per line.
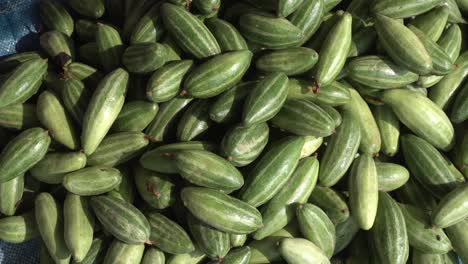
x,y
389,127
160,159
135,116
49,219
304,118
19,116
19,228
269,31
266,99
194,121
242,145
11,193
291,61
189,32
123,252
429,240
144,58
92,180
452,208
340,151
104,107
389,235
118,148
168,235
53,116
217,74
121,219
214,243
23,152
165,119
75,98
149,28
58,46
272,171
165,82
23,82
153,256
110,47
204,168
157,189
54,166
56,17
308,17
221,211
300,250
427,164
281,209
227,36
331,202
80,71
391,176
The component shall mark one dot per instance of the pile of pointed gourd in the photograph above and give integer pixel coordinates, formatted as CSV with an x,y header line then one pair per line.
x,y
236,132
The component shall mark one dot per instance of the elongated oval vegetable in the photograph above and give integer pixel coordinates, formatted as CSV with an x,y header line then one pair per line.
x,y
121,219
427,121
214,243
403,8
332,202
168,235
193,257
391,176
242,145
149,28
221,210
19,116
290,61
109,45
75,98
237,240
52,115
316,227
217,74
118,148
122,252
135,116
281,209
304,118
268,31
428,240
370,134
189,32
228,105
299,250
266,99
164,121
54,166
49,218
164,83
160,159
334,50
23,152
89,8
195,121
266,250
58,46
308,17
345,232
78,226
227,36
459,110
402,45
153,256
11,193
389,127
204,168
429,166
340,151
379,72
334,94
452,208
158,190
433,22
19,228
363,191
56,17
144,58
23,82
389,235
272,171
104,107
459,237
92,180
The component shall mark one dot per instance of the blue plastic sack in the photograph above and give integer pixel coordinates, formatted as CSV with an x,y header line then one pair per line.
x,y
19,27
